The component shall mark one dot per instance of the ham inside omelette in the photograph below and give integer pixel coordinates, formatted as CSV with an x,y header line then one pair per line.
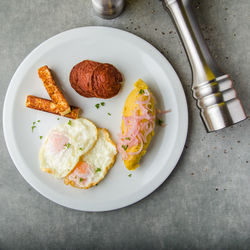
x,y
138,124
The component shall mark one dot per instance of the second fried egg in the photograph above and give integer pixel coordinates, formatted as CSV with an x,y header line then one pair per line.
x,y
94,165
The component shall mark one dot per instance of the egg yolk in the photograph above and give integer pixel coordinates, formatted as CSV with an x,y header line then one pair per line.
x,y
81,173
57,142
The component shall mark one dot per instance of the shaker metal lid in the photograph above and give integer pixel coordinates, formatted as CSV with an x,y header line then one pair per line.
x,y
108,9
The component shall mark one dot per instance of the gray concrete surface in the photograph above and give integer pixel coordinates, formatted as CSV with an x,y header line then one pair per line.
x,y
204,204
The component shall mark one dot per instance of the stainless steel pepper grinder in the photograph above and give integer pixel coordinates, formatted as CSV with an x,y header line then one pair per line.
x,y
108,9
217,99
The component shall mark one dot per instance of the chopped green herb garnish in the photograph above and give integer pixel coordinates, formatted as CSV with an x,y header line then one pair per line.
x,y
33,128
69,122
127,138
129,175
81,149
67,145
159,122
125,147
41,137
38,120
102,103
109,114
58,118
34,123
97,105
81,179
141,91
97,170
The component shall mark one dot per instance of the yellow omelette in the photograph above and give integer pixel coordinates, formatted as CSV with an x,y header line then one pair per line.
x,y
138,124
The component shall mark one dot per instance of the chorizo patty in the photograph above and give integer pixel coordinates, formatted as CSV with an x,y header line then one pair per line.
x,y
93,79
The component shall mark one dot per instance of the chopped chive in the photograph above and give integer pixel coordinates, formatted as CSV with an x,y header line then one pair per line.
x,y
81,149
34,123
141,91
125,147
67,145
58,118
81,179
33,128
38,120
109,114
69,122
159,122
97,105
102,103
129,175
41,137
97,170
127,138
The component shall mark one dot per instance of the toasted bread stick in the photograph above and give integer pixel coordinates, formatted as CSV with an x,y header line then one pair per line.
x,y
54,92
48,106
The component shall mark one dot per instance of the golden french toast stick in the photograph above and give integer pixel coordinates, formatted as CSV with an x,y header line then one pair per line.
x,y
48,106
54,92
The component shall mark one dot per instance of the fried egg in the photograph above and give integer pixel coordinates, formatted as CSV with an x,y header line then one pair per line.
x,y
65,144
94,165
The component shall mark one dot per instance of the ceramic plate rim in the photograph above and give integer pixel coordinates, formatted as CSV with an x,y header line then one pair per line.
x,y
179,143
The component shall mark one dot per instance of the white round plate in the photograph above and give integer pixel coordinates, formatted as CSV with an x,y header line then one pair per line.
x,y
135,58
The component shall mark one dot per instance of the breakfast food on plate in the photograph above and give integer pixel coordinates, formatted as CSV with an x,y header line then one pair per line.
x,y
106,81
81,77
58,105
138,123
93,79
65,144
94,165
48,106
53,90
78,152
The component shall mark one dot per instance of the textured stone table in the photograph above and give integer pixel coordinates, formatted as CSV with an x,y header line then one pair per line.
x,y
204,204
